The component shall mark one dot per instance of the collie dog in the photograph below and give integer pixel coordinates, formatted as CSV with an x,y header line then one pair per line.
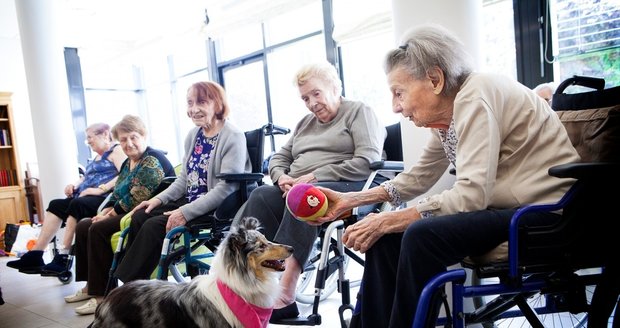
x,y
239,291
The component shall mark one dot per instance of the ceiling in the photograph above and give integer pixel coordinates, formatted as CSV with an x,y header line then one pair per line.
x,y
114,28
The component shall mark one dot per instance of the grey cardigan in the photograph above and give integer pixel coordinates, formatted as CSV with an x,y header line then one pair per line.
x,y
230,155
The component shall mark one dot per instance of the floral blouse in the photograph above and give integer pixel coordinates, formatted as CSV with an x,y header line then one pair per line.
x,y
197,165
449,142
139,184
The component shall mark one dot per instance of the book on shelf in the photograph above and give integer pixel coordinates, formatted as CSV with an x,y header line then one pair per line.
x,y
8,177
5,140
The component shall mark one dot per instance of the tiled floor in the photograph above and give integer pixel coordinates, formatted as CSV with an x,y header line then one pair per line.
x,y
35,301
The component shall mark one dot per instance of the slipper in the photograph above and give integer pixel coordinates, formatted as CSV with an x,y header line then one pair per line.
x,y
288,312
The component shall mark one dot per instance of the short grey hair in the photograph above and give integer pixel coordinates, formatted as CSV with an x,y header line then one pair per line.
x,y
321,70
428,46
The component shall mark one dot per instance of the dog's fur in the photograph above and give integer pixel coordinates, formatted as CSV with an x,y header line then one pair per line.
x,y
245,261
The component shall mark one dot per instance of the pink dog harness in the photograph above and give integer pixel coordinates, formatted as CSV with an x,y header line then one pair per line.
x,y
250,315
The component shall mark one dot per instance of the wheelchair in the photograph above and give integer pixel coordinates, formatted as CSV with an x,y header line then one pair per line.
x,y
187,250
565,274
330,260
66,276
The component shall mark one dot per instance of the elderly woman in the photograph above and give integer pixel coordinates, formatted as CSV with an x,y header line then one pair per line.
x,y
332,146
213,147
138,179
495,131
83,198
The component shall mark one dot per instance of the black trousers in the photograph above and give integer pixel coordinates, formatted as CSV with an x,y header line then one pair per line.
x,y
77,207
147,234
398,266
93,252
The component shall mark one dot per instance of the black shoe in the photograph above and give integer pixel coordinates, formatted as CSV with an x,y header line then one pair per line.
x,y
288,312
59,264
31,262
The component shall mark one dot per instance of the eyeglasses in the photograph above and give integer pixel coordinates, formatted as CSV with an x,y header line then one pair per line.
x,y
91,137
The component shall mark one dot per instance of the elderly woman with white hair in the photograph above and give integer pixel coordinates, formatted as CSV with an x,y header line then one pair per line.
x,y
332,146
494,130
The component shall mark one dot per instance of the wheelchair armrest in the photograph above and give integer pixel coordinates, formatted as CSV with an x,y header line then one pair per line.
x,y
586,171
241,177
387,165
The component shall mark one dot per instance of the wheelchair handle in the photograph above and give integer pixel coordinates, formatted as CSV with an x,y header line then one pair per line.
x,y
584,81
272,130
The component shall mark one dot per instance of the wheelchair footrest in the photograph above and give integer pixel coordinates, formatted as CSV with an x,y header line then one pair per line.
x,y
311,320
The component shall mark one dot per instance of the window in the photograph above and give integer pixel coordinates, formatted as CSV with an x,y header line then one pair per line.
x,y
499,42
586,35
364,78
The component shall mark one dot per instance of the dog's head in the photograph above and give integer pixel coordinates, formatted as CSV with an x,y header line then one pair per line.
x,y
246,253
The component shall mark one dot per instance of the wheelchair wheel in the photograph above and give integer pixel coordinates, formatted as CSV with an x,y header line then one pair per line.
x,y
555,308
306,284
177,262
65,277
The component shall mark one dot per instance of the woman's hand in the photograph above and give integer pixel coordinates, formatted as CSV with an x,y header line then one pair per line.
x,y
175,219
306,178
148,204
285,183
337,203
92,191
105,214
69,190
363,234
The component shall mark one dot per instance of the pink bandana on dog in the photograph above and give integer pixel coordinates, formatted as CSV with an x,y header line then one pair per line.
x,y
250,315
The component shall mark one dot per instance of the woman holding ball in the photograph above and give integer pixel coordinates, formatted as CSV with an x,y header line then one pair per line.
x,y
332,147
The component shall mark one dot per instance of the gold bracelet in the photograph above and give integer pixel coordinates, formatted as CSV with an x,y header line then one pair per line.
x,y
103,187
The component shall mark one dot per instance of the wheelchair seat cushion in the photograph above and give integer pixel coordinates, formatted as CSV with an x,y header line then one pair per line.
x,y
595,133
496,255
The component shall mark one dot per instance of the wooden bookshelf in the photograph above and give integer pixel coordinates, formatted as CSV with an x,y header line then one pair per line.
x,y
12,194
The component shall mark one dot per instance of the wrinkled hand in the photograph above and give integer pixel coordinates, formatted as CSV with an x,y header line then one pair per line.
x,y
285,183
148,204
91,191
69,190
363,234
175,219
337,203
105,214
306,178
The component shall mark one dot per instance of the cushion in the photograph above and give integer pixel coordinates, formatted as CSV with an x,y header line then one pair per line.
x,y
595,133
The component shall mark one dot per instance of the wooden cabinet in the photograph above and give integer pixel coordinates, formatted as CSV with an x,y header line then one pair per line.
x,y
12,195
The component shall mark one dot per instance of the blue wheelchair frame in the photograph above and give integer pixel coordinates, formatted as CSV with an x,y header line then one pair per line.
x,y
520,280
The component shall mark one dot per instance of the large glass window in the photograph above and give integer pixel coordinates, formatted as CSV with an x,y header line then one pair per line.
x,y
293,24
587,39
287,107
245,88
498,46
240,41
364,79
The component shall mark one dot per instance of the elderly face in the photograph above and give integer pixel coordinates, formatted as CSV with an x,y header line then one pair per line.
x,y
98,142
321,99
133,144
416,100
201,111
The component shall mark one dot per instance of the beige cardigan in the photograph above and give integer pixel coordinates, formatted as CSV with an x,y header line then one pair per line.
x,y
508,138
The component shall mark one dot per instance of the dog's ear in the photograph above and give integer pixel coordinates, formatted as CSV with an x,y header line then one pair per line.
x,y
249,223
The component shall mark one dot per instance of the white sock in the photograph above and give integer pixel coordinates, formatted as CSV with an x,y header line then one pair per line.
x,y
63,251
